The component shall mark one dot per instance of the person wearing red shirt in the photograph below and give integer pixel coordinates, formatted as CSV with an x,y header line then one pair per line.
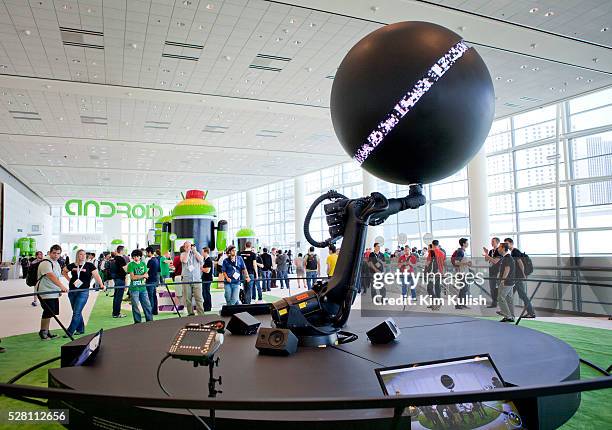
x,y
176,262
406,263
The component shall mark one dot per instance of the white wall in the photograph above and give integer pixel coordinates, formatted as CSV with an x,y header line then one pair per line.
x,y
19,214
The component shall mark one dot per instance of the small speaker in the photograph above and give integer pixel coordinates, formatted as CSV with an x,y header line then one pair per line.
x,y
385,332
276,341
243,323
253,309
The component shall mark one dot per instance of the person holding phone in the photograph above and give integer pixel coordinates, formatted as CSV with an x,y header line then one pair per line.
x,y
191,262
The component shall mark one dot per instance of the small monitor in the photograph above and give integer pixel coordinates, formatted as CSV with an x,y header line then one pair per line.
x,y
455,375
91,350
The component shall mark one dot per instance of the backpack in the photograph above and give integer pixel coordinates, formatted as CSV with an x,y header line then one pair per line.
x,y
527,264
454,257
311,262
32,278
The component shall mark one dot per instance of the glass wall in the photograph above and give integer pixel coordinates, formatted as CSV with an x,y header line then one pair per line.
x,y
549,171
232,208
275,215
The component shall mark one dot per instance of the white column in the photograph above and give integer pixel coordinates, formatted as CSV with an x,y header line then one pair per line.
x,y
299,197
250,210
479,202
369,186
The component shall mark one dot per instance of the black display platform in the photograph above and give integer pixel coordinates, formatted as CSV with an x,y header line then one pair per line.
x,y
128,360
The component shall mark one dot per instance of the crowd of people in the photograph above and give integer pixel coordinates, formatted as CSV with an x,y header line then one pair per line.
x,y
507,273
248,273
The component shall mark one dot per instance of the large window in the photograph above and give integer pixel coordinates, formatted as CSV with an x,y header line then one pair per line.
x,y
275,215
232,208
542,180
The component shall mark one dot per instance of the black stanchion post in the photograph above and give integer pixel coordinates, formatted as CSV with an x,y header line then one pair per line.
x,y
172,298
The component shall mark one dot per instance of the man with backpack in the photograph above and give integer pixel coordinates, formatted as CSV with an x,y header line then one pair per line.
x,y
523,269
48,276
118,274
461,265
313,268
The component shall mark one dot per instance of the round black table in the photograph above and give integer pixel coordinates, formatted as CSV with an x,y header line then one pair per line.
x,y
129,357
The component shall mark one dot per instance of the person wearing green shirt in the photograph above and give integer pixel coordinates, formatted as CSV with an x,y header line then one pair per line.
x,y
137,271
164,266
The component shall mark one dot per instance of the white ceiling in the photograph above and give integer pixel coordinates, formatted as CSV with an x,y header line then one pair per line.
x,y
124,118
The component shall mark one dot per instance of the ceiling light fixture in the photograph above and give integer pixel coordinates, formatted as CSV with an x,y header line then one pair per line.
x,y
134,45
498,78
312,24
579,78
227,58
533,10
27,32
510,80
533,45
549,13
535,69
589,81
209,6
595,60
523,66
603,30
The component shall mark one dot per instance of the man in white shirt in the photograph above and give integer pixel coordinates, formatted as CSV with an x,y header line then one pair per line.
x,y
49,275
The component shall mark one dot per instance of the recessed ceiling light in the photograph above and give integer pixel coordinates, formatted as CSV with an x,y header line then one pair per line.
x,y
552,88
182,73
534,45
595,60
604,29
61,118
298,42
549,13
210,6
285,30
89,10
498,78
95,76
523,66
312,24
562,90
27,32
309,69
180,23
93,63
292,21
509,80
162,83
134,45
278,39
186,3
76,60
535,69
227,58
533,10
579,78
178,84
200,27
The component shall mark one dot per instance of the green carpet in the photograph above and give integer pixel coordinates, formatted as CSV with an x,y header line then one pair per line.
x,y
23,351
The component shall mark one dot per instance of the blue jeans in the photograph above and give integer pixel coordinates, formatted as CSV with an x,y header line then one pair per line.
x,y
310,278
521,289
141,297
118,296
408,283
257,293
265,279
284,277
248,289
78,299
232,292
152,293
206,295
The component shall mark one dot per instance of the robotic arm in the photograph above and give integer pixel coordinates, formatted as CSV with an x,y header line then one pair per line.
x,y
324,310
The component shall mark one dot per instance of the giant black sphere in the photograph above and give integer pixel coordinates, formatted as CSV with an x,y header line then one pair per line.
x,y
442,131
